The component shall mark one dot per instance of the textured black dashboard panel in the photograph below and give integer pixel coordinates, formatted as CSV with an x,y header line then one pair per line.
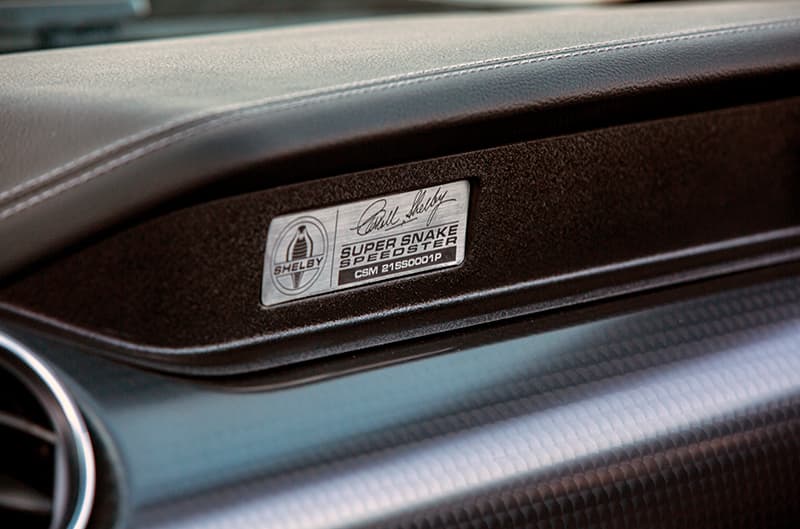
x,y
552,222
683,415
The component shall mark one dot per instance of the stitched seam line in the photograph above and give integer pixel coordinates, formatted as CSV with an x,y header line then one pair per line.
x,y
235,108
216,112
301,100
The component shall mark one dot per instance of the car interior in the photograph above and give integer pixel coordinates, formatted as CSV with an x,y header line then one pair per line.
x,y
464,264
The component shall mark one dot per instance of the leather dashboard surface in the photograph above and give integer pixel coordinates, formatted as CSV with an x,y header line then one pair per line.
x,y
91,138
676,406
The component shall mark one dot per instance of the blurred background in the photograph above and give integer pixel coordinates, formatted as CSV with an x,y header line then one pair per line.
x,y
37,24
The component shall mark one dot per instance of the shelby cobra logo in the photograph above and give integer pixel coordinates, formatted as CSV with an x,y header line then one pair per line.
x,y
323,250
299,256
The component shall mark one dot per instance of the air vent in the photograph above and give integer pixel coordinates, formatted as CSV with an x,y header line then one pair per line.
x,y
46,459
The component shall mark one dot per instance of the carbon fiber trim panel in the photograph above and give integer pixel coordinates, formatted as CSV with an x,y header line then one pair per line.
x,y
686,415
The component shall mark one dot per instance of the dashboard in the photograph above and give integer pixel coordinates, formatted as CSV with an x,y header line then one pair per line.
x,y
514,269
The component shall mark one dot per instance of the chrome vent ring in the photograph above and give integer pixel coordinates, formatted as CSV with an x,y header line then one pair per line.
x,y
48,480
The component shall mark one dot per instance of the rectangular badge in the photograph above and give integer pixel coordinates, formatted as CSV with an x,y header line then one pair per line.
x,y
323,250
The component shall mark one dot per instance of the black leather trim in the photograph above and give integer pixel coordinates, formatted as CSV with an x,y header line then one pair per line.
x,y
655,48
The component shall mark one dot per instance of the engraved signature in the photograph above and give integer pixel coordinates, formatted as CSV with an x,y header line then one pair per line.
x,y
423,204
378,216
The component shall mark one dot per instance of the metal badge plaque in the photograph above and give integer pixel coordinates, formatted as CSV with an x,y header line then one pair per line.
x,y
314,252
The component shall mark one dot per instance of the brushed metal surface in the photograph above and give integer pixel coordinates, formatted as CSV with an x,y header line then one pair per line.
x,y
315,252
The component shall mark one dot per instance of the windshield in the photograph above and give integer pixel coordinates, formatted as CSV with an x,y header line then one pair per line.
x,y
37,24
